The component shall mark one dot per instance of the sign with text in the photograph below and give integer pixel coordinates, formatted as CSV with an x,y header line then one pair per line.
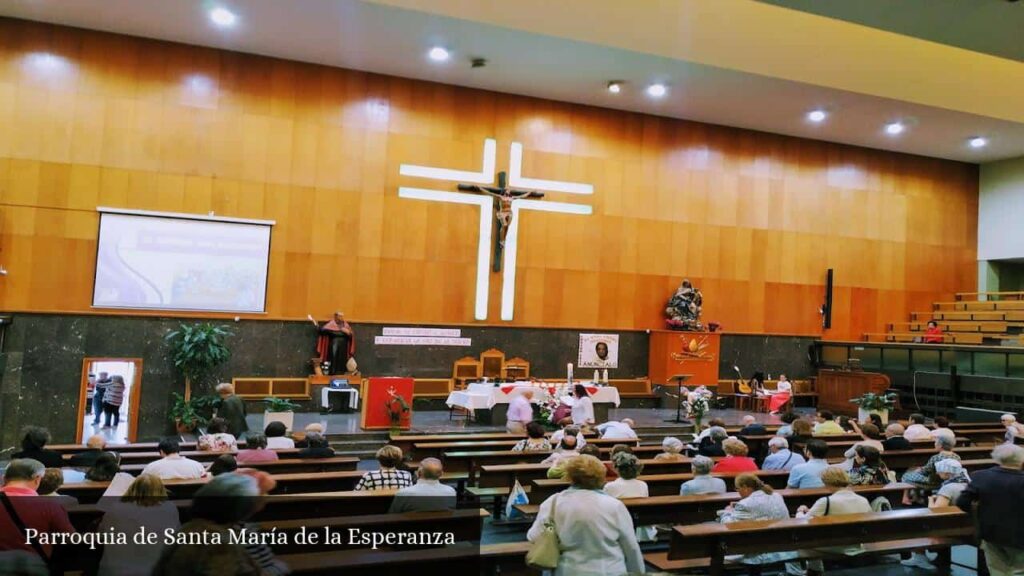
x,y
598,351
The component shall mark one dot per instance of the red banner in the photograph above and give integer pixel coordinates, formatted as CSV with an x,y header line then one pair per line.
x,y
387,404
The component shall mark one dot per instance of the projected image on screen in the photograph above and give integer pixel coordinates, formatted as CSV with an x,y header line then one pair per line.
x,y
179,264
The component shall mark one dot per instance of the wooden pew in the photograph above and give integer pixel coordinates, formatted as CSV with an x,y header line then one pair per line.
x,y
472,461
659,484
709,544
907,459
197,455
704,508
285,466
423,450
505,475
276,507
406,441
461,558
465,525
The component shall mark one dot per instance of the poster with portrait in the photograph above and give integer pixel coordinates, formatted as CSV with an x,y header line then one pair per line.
x,y
598,351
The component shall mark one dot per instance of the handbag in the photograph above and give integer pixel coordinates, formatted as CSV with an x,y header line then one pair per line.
x,y
546,549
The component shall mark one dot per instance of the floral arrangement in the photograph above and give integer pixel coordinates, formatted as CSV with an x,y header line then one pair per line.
x,y
870,401
396,406
697,407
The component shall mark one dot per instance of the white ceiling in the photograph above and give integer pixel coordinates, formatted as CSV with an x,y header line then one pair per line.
x,y
389,40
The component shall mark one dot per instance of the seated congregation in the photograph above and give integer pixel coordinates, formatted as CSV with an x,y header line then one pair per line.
x,y
811,492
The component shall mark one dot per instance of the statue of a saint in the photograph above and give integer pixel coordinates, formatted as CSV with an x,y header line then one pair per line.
x,y
684,307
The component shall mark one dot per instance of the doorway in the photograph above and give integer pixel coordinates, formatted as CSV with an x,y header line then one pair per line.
x,y
113,417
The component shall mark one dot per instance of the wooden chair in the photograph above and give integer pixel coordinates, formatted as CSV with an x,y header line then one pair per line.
x,y
516,369
492,363
465,370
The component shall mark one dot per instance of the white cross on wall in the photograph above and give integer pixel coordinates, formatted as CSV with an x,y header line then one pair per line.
x,y
484,177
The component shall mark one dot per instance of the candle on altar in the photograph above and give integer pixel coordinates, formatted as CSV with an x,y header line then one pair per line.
x,y
597,376
568,377
605,376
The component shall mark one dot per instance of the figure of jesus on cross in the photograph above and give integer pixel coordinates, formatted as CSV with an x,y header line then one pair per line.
x,y
503,195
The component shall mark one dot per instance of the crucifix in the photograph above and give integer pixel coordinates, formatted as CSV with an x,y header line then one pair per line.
x,y
503,196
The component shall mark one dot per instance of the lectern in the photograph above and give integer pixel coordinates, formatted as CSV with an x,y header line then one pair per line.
x,y
679,379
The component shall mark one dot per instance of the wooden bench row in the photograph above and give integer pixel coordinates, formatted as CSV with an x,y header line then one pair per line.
x,y
282,466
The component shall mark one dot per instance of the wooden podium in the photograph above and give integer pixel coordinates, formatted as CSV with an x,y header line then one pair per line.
x,y
835,388
675,352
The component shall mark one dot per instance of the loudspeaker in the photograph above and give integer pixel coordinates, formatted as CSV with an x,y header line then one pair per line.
x,y
826,308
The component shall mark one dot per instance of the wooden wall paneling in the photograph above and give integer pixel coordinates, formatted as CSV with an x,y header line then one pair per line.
x,y
97,119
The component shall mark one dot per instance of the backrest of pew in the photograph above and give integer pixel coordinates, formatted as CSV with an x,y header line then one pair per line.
x,y
660,484
282,466
714,540
505,475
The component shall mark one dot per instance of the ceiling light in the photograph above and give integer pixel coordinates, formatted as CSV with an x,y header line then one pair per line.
x,y
615,86
894,128
978,142
223,17
656,90
438,54
817,115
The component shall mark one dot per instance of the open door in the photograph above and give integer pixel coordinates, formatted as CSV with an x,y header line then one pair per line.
x,y
115,413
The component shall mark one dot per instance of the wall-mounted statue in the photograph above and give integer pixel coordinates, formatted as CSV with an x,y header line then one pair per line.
x,y
683,311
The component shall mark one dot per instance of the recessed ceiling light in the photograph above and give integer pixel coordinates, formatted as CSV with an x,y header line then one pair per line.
x,y
438,54
978,142
894,128
615,86
817,115
656,90
223,17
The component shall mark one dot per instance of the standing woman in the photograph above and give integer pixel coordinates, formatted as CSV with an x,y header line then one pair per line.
x,y
595,531
583,407
112,400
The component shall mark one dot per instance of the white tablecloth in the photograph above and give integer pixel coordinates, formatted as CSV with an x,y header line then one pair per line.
x,y
481,395
353,396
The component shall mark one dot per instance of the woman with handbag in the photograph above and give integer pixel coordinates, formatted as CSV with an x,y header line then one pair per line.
x,y
583,531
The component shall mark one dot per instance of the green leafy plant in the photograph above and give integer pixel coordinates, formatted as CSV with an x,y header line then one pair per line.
x,y
197,350
872,402
193,413
280,405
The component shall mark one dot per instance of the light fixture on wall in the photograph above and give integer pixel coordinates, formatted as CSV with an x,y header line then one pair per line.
x,y
615,86
439,54
657,90
818,115
3,271
978,142
223,17
895,128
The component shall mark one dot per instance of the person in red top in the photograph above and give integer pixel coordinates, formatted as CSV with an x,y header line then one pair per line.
x,y
736,459
933,335
21,479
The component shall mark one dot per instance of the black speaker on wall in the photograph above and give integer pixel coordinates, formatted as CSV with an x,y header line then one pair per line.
x,y
826,308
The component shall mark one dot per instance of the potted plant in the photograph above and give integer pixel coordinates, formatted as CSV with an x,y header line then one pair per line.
x,y
871,403
197,350
189,414
279,410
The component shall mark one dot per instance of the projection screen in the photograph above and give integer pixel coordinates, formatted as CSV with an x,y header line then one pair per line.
x,y
161,261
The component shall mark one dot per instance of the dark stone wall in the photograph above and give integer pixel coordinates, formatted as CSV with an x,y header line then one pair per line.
x,y
41,363
770,354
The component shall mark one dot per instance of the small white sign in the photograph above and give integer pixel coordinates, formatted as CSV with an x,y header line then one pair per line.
x,y
421,341
442,332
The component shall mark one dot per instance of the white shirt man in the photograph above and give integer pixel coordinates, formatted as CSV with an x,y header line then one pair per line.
x,y
174,466
520,413
621,430
428,494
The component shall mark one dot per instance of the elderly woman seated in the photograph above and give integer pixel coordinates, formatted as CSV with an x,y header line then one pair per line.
x,y
842,500
758,502
703,482
389,476
926,478
535,441
595,530
736,459
671,450
628,467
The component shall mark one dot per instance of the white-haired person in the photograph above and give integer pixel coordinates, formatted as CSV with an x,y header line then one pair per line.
x,y
567,427
618,430
703,482
595,530
751,427
671,450
232,410
954,481
428,494
999,494
925,478
1014,429
520,412
780,457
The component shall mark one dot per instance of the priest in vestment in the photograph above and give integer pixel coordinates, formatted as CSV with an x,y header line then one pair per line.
x,y
336,343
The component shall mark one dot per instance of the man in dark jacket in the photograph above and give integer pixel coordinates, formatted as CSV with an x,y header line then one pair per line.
x,y
999,492
232,409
